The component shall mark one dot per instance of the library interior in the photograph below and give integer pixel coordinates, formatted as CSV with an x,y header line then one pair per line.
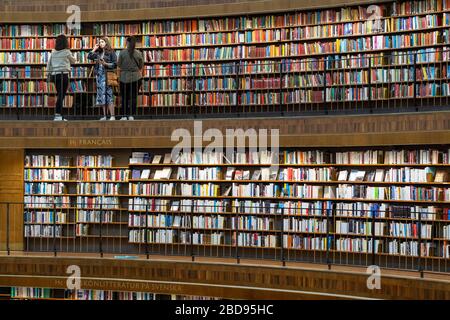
x,y
224,150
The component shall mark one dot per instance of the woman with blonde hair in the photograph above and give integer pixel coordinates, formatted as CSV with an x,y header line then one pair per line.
x,y
105,59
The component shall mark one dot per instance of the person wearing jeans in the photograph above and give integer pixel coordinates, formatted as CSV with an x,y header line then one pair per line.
x,y
131,63
58,67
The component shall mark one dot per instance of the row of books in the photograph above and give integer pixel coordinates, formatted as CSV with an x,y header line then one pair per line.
x,y
200,157
87,294
292,224
293,33
191,173
377,77
311,225
359,227
25,292
415,7
82,230
237,37
342,15
430,156
357,245
33,100
296,49
27,43
67,161
98,202
407,174
323,64
396,156
37,230
293,241
102,174
46,202
44,43
242,23
160,221
12,86
110,295
44,217
317,65
305,157
342,191
24,57
44,188
95,216
295,208
27,72
47,161
406,193
394,247
94,161
369,210
32,57
46,174
158,236
304,209
107,189
11,30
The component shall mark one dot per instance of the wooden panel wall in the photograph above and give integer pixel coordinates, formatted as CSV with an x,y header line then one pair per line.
x,y
244,281
11,190
115,10
326,131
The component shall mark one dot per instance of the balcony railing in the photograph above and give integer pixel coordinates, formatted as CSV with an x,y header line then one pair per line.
x,y
402,238
329,84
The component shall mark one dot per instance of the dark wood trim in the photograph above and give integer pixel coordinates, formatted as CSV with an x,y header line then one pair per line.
x,y
222,279
16,15
319,131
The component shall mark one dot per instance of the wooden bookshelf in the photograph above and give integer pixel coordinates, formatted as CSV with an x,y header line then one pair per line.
x,y
175,222
287,40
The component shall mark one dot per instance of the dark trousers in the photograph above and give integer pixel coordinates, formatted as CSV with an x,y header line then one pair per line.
x,y
61,81
129,93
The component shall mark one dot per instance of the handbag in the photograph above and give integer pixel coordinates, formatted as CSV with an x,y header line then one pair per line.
x,y
112,79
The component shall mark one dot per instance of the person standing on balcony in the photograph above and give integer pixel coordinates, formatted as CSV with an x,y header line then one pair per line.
x,y
58,68
105,59
131,63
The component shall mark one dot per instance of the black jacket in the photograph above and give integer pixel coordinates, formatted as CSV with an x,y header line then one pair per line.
x,y
110,58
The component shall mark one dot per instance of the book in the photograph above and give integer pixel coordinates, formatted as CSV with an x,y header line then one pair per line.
x,y
156,159
356,175
370,176
166,173
441,176
227,192
136,174
175,205
342,175
145,174
229,174
256,175
167,158
379,175
273,174
265,174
